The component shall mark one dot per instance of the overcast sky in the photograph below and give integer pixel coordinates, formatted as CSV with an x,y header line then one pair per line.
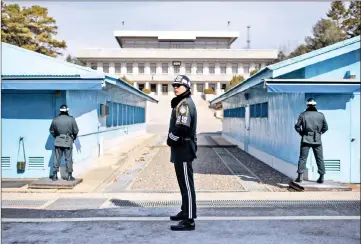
x,y
273,24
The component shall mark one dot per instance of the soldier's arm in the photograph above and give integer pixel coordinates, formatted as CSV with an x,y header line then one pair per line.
x,y
182,126
75,128
324,125
298,125
52,129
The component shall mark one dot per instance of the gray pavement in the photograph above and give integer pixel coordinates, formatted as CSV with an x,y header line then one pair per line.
x,y
326,222
135,232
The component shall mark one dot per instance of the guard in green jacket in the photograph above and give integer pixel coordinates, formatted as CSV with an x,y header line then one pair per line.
x,y
311,124
183,143
65,130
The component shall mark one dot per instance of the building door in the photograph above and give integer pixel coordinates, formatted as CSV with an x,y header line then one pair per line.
x,y
336,155
27,115
247,127
355,140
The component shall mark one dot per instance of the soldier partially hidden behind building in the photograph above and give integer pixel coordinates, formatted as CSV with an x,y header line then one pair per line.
x,y
311,124
65,130
183,143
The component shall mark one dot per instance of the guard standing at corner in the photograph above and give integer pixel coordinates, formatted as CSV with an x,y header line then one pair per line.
x,y
183,143
311,124
65,130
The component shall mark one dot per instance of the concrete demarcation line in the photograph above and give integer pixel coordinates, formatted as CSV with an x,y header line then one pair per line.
x,y
230,170
253,174
205,218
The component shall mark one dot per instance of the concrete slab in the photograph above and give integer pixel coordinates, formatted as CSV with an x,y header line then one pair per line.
x,y
314,186
47,183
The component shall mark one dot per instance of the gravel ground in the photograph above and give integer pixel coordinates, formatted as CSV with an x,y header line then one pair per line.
x,y
209,173
267,174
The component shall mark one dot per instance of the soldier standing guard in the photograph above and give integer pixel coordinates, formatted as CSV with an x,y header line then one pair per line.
x,y
183,143
311,124
65,130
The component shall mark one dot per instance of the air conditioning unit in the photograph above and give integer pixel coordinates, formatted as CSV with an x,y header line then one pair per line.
x,y
104,110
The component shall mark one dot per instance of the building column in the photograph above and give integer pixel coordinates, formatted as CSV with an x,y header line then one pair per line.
x,y
159,89
111,68
147,86
194,88
88,64
135,84
218,88
205,85
100,66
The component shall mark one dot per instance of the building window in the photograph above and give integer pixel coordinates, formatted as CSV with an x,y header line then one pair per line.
x,y
141,68
129,68
200,87
153,87
211,68
176,69
188,68
165,68
246,68
94,66
212,86
141,86
153,68
223,68
224,86
234,68
258,66
105,67
199,68
165,89
117,68
259,110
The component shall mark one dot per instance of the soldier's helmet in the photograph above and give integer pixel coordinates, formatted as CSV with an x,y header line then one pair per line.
x,y
311,102
182,80
64,108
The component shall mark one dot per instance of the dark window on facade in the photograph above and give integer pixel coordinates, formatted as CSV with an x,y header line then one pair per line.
x,y
141,86
259,110
165,88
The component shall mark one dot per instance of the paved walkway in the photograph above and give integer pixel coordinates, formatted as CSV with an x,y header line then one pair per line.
x,y
266,222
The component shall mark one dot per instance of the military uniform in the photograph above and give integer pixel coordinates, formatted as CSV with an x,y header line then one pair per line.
x,y
183,144
65,130
311,124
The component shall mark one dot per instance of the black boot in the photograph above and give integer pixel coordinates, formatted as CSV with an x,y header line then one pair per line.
x,y
55,176
320,180
187,224
178,217
70,177
299,178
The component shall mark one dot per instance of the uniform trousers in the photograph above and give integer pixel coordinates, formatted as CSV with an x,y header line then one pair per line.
x,y
184,172
317,151
68,154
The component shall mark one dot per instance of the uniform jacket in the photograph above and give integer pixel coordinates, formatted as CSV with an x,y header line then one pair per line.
x,y
64,129
182,131
311,125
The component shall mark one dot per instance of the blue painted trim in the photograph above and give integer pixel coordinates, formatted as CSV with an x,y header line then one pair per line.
x,y
124,85
51,84
313,88
315,53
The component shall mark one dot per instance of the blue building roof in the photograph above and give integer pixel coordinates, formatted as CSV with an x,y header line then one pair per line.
x,y
23,69
20,62
290,65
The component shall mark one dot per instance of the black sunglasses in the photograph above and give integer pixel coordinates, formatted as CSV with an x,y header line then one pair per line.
x,y
176,85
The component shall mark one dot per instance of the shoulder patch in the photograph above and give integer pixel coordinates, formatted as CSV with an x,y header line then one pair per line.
x,y
182,110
